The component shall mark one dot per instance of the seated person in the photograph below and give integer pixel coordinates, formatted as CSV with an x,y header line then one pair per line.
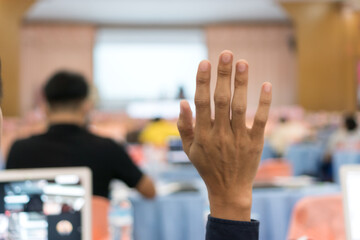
x,y
67,143
345,138
286,133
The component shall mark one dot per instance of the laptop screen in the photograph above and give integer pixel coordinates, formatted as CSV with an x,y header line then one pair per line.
x,y
42,209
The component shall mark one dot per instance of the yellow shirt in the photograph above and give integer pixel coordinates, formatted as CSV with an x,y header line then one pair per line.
x,y
157,133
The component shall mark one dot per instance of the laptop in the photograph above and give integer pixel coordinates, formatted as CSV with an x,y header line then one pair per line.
x,y
46,204
350,182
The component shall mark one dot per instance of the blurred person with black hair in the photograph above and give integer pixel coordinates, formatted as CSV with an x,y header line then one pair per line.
x,y
347,137
68,143
350,123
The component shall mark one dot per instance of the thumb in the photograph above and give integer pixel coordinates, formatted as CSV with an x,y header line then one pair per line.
x,y
185,125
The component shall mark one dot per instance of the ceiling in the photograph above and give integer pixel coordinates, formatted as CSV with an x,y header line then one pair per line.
x,y
156,12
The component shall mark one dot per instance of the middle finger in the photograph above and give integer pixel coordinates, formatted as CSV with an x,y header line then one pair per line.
x,y
223,91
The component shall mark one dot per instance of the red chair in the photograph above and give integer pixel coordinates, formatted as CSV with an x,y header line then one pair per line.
x,y
272,168
100,223
320,218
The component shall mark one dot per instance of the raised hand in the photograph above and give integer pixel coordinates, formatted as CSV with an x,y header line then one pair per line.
x,y
224,151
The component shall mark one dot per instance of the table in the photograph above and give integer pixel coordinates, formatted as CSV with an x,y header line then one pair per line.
x,y
305,158
174,217
183,216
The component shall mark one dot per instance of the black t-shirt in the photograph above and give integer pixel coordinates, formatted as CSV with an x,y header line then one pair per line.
x,y
67,145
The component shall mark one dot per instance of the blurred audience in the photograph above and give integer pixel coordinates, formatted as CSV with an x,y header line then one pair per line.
x,y
347,137
286,133
68,143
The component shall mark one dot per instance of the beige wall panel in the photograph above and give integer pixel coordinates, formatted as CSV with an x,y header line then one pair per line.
x,y
47,48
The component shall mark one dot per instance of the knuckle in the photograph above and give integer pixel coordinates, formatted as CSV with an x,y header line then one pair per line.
x,y
223,139
185,132
180,126
261,122
223,72
242,145
239,109
222,101
221,142
202,80
202,102
240,82
202,139
242,142
265,102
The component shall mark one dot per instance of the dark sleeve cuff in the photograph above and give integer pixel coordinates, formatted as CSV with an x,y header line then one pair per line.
x,y
219,229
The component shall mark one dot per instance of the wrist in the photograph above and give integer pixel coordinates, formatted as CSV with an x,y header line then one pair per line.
x,y
231,206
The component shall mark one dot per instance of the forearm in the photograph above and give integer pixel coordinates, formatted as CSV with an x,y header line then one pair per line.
x,y
146,187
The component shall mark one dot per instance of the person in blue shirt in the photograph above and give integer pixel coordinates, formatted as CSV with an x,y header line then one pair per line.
x,y
225,152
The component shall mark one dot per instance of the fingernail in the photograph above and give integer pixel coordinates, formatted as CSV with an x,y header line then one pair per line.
x,y
242,67
267,87
204,66
225,58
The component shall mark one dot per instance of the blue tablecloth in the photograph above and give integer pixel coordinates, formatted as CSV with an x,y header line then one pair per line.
x,y
183,216
305,158
273,207
179,173
268,152
175,217
341,158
